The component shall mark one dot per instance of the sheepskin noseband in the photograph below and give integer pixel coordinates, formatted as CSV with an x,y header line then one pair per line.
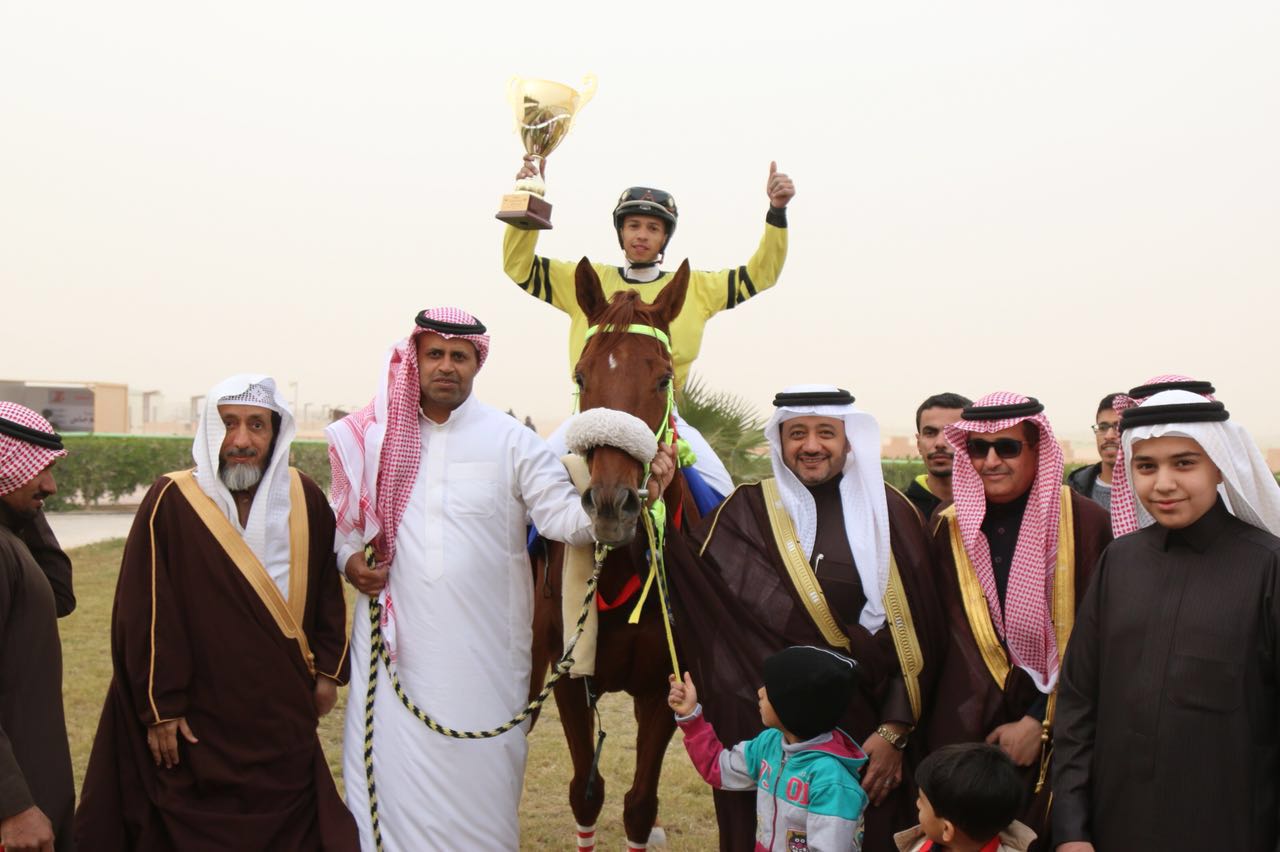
x,y
605,427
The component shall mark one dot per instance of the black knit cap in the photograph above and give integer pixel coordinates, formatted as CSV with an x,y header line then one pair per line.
x,y
810,688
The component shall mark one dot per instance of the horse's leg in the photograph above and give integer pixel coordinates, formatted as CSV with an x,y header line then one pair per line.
x,y
654,726
735,819
575,718
570,694
547,632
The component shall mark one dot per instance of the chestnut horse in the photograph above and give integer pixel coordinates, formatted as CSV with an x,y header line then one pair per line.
x,y
630,372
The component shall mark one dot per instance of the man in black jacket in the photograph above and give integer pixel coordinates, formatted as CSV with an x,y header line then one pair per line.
x,y
933,487
1094,481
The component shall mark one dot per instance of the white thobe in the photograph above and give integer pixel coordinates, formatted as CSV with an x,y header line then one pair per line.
x,y
463,597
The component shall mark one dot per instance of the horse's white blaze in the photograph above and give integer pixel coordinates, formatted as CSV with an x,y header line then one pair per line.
x,y
613,362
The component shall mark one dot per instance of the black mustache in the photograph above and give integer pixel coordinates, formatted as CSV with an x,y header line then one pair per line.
x,y
242,454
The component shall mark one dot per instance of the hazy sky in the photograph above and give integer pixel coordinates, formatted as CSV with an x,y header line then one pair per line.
x,y
1060,199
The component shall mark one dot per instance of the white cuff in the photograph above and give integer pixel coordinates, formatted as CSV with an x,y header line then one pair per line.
x,y
346,546
697,711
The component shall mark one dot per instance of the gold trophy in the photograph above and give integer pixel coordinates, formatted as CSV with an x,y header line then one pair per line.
x,y
544,113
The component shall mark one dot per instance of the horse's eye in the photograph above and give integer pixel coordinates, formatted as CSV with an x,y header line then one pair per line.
x,y
664,383
577,379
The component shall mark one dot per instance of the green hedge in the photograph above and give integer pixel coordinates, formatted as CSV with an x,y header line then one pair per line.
x,y
108,467
900,472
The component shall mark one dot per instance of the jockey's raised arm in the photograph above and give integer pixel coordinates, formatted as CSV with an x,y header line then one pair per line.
x,y
645,220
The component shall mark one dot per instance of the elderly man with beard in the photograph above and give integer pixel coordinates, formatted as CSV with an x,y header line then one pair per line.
x,y
36,793
228,643
1013,556
932,488
824,553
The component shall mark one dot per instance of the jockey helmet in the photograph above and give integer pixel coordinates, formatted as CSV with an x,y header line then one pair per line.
x,y
646,201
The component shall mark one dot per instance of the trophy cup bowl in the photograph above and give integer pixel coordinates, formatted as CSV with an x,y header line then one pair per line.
x,y
544,112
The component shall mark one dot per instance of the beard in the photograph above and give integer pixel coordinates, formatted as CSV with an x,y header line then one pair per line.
x,y
239,477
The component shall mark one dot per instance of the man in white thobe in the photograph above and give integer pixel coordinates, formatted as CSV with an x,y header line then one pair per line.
x,y
440,485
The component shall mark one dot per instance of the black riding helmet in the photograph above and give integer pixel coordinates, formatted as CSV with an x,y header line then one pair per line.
x,y
646,201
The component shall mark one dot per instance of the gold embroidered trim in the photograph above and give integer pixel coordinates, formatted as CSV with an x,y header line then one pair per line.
x,y
248,564
975,605
914,507
715,519
1062,606
802,576
346,646
903,630
151,673
299,547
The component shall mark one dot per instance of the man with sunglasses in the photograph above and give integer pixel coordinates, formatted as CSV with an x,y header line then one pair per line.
x,y
645,220
1014,554
1094,481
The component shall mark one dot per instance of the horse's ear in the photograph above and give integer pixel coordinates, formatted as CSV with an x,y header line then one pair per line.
x,y
590,294
671,299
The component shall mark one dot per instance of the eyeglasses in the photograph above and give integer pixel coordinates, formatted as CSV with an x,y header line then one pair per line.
x,y
1104,428
1006,448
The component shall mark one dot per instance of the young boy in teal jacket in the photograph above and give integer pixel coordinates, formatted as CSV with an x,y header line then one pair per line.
x,y
803,768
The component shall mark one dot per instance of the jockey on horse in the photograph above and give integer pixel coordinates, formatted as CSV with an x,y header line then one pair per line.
x,y
645,220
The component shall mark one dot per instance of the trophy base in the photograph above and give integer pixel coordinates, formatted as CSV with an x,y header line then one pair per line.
x,y
525,211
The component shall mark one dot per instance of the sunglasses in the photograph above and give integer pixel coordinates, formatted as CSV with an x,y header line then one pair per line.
x,y
1006,448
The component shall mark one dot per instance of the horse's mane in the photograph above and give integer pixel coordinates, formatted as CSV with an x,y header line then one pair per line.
x,y
625,309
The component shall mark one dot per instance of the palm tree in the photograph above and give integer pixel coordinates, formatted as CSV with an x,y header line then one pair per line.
x,y
731,426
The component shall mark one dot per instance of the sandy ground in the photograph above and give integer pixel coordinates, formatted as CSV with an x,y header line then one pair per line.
x,y
75,529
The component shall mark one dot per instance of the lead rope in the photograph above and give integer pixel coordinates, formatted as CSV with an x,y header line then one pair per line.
x,y
654,526
378,651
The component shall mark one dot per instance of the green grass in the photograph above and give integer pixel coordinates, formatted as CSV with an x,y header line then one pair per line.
x,y
546,822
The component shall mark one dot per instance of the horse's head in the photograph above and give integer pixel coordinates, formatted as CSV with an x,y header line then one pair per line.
x,y
624,367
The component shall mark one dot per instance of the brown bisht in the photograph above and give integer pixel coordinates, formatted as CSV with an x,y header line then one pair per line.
x,y
736,604
199,630
35,591
979,688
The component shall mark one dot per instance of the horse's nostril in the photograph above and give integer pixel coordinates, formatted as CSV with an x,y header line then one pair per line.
x,y
631,502
588,504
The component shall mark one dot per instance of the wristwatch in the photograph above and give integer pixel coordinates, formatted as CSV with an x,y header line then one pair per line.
x,y
898,741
